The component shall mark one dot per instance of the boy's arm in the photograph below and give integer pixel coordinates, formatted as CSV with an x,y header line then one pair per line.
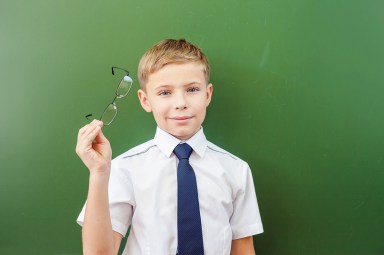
x,y
243,246
94,150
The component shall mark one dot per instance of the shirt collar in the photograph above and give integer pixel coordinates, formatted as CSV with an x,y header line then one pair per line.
x,y
167,142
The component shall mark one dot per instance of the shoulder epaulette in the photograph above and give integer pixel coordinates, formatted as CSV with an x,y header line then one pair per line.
x,y
140,149
216,148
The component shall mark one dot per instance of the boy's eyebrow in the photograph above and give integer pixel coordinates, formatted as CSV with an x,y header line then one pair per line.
x,y
193,83
164,86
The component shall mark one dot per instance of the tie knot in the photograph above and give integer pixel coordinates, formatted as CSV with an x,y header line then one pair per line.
x,y
183,151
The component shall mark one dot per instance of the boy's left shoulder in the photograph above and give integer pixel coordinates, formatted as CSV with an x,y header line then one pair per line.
x,y
220,152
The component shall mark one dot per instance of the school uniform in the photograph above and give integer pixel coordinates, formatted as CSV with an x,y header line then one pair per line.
x,y
143,196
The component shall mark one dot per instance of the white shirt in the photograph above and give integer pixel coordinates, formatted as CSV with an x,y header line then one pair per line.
x,y
143,195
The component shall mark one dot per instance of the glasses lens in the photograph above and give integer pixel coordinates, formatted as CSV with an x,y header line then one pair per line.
x,y
109,114
124,87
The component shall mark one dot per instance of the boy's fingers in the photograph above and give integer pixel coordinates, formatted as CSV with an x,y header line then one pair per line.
x,y
92,135
97,125
85,129
82,131
100,138
88,136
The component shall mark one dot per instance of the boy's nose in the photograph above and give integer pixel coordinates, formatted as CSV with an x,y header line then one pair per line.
x,y
181,107
181,102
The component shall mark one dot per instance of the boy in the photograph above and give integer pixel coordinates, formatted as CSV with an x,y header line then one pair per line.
x,y
143,188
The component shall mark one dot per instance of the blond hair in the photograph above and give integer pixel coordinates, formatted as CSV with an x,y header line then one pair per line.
x,y
170,51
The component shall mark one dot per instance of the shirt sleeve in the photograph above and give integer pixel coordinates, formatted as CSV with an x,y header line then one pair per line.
x,y
121,199
246,220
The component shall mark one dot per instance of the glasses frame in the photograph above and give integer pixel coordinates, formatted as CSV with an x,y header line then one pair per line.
x,y
117,96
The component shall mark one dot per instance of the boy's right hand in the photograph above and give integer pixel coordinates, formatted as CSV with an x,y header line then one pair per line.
x,y
93,148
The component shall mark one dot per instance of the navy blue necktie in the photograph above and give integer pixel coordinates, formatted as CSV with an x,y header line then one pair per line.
x,y
188,213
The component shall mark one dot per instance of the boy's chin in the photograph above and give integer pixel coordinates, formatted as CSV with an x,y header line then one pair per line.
x,y
184,135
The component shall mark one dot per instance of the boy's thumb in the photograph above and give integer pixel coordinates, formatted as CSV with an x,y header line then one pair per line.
x,y
100,137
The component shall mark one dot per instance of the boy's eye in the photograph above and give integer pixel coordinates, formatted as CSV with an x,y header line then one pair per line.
x,y
164,93
193,89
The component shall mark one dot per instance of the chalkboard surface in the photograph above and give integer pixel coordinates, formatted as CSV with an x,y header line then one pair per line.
x,y
298,94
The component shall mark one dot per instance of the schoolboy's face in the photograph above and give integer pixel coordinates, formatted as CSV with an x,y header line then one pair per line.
x,y
178,96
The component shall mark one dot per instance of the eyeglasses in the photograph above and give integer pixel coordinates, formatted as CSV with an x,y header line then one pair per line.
x,y
110,112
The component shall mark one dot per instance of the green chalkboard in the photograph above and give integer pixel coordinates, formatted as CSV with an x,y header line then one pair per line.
x,y
298,94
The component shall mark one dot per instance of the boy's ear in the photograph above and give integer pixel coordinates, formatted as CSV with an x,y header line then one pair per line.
x,y
144,100
209,93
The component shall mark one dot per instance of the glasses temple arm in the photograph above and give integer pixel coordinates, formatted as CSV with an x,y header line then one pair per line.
x,y
115,67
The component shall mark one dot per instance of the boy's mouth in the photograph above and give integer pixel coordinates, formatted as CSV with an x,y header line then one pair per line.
x,y
180,117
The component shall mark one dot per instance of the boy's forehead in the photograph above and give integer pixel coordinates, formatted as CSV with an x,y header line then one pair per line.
x,y
190,66
178,72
